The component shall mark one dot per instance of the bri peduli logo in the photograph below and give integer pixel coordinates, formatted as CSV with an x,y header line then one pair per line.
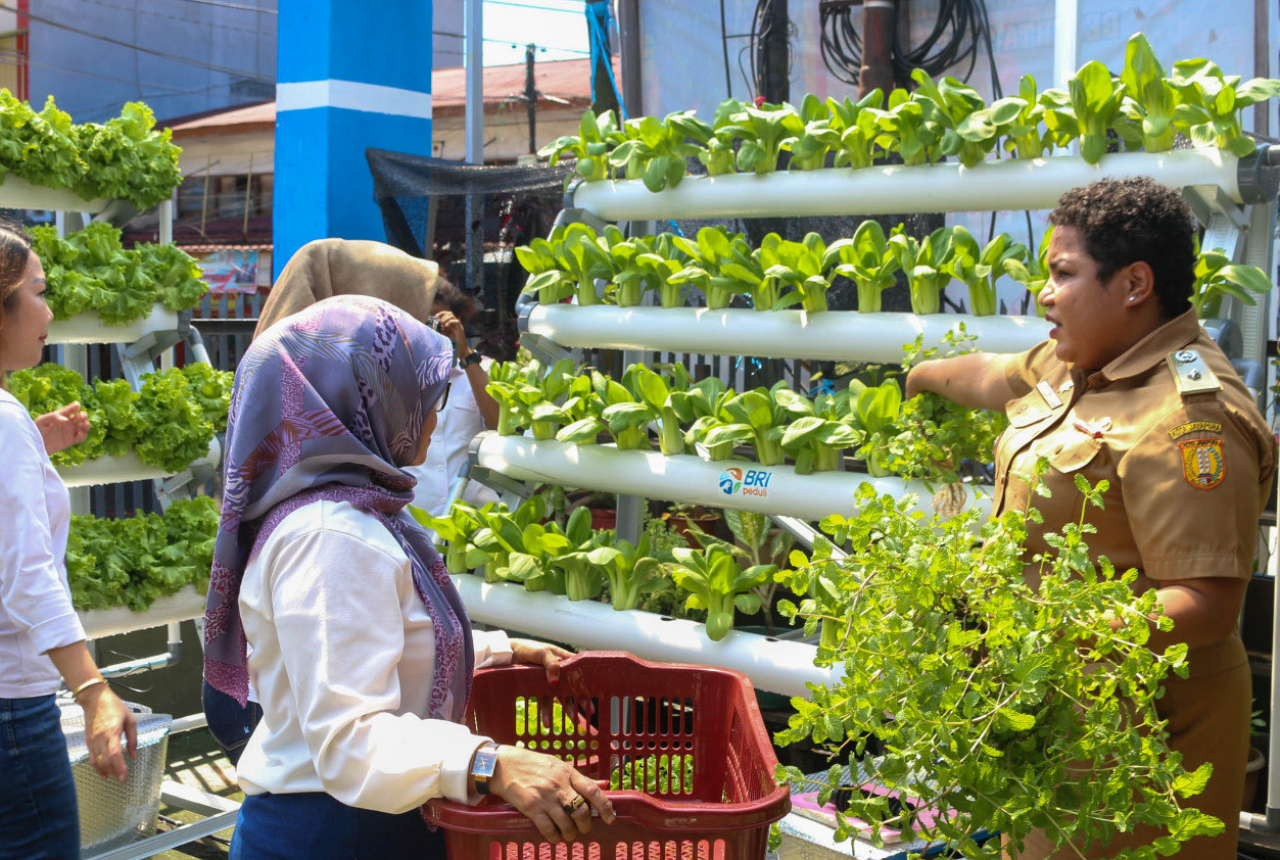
x,y
751,482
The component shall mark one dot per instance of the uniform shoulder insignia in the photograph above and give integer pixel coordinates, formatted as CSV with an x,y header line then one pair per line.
x,y
1190,373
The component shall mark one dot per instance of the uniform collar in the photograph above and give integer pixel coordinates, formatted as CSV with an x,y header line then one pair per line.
x,y
1151,350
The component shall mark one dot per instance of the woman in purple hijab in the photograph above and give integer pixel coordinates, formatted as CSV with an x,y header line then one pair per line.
x,y
329,601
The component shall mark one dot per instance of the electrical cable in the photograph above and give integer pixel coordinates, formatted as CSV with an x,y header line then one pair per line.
x,y
239,6
174,57
724,43
840,44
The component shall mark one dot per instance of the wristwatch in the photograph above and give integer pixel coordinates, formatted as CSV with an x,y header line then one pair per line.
x,y
472,358
483,764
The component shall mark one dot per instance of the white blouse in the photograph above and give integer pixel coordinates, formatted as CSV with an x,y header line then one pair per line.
x,y
342,656
456,426
35,600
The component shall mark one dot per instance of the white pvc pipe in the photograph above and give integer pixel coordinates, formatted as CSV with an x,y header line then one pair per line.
x,y
18,193
185,605
774,665
89,328
990,186
826,336
687,478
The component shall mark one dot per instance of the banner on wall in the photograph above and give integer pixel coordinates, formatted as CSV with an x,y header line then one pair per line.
x,y
229,270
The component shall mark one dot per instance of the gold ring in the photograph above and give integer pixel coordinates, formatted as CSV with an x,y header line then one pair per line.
x,y
100,757
572,806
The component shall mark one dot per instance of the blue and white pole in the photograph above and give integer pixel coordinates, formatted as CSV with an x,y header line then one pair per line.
x,y
350,75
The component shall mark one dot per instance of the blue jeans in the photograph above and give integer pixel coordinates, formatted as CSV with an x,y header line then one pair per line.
x,y
315,826
39,819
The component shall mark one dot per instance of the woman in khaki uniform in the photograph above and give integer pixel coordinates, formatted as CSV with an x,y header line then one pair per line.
x,y
1129,389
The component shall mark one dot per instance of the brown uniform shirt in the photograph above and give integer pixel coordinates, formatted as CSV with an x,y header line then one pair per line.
x,y
1188,472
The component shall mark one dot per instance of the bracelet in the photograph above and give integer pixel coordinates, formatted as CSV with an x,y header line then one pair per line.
x,y
75,694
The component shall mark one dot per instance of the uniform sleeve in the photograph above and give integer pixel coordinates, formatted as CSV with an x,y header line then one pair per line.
x,y
341,643
1193,496
1025,369
32,589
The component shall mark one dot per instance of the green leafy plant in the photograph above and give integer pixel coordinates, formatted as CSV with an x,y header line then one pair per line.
x,y
1090,107
589,147
654,150
719,264
89,271
971,128
124,158
1033,272
797,265
998,706
926,266
980,269
1026,136
630,569
1217,277
761,544
1210,104
1147,113
869,260
716,582
912,128
764,132
132,561
818,431
858,123
719,156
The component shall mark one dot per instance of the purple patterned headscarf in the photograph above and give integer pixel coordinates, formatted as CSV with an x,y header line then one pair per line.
x,y
330,403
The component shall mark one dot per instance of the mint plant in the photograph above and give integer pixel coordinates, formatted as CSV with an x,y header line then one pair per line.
x,y
998,706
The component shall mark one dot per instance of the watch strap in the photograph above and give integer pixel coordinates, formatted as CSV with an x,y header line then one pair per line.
x,y
472,358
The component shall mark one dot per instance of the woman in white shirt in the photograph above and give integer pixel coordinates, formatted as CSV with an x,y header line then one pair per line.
x,y
41,639
328,596
470,410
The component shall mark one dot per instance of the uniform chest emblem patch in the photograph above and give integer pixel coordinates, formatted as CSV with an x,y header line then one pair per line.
x,y
1202,463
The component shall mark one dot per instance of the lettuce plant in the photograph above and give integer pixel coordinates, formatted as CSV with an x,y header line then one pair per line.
x,y
868,260
654,151
666,399
925,265
798,265
1033,272
630,570
858,123
1210,104
717,583
1217,276
911,127
1025,136
719,264
590,146
818,431
1146,118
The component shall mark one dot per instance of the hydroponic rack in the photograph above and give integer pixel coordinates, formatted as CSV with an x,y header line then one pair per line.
x,y
1233,198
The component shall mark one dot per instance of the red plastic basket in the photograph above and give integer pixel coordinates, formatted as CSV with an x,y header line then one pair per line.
x,y
682,749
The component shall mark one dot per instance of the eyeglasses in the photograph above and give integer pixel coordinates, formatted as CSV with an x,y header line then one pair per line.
x,y
444,398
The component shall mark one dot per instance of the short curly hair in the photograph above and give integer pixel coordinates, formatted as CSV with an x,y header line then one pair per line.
x,y
1123,221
